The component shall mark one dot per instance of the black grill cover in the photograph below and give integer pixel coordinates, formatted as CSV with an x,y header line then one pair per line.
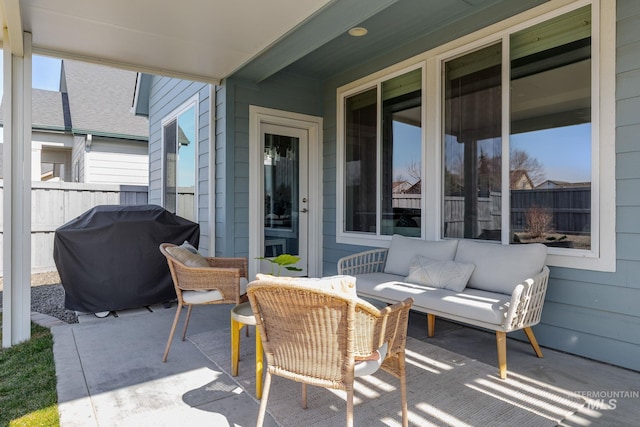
x,y
108,258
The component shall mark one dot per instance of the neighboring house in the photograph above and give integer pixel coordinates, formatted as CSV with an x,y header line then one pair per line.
x,y
86,131
562,184
400,187
299,157
519,180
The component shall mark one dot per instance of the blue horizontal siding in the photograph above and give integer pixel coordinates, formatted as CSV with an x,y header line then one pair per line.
x,y
167,94
594,314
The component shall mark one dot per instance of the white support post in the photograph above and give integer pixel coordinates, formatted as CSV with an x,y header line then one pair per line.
x,y
16,302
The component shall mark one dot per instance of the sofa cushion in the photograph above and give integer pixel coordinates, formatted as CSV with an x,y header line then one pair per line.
x,y
341,283
500,268
403,249
473,304
447,274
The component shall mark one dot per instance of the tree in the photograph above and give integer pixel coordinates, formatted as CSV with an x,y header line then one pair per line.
x,y
415,171
521,160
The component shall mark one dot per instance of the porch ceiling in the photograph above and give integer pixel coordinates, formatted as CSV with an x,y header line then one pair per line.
x,y
209,40
406,27
196,39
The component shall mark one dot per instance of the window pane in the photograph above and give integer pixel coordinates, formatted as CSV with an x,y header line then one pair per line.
x,y
186,178
170,163
550,153
360,162
473,145
402,155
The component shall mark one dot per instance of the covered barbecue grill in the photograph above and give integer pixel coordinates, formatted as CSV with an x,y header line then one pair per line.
x,y
108,258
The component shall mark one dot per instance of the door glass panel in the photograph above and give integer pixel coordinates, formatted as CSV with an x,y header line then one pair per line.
x,y
179,136
473,145
281,219
186,178
170,164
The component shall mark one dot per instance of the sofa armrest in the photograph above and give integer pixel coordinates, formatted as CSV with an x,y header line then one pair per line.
x,y
372,261
527,300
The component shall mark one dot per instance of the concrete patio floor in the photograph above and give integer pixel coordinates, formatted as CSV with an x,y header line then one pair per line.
x,y
110,372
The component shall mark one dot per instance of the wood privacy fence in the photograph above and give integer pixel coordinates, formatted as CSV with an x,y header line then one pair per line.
x,y
570,209
55,203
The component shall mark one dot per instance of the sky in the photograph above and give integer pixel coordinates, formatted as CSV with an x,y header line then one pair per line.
x,y
45,73
565,152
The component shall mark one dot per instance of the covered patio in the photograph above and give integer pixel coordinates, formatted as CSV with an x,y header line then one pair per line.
x,y
110,373
256,57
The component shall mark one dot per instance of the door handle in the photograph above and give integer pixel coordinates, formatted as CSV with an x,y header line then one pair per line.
x,y
304,210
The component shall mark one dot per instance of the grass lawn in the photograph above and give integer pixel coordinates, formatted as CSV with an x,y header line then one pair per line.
x,y
28,382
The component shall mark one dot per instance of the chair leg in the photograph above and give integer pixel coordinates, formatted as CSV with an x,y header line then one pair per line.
x,y
403,389
501,341
431,325
532,339
350,407
259,364
304,396
173,330
263,401
186,322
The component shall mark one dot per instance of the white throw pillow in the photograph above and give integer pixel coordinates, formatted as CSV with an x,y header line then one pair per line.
x,y
341,283
439,274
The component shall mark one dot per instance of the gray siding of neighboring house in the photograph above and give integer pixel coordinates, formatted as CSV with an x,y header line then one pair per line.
x,y
284,92
109,161
593,314
77,158
167,94
117,162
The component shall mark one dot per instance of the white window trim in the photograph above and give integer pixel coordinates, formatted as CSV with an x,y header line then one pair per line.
x,y
173,115
602,256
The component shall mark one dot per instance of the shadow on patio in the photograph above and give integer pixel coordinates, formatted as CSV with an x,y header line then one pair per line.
x,y
110,373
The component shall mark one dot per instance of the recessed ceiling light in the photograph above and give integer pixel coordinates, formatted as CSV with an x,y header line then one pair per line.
x,y
358,31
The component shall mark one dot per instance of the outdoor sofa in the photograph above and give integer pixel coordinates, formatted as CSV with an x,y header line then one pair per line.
x,y
493,286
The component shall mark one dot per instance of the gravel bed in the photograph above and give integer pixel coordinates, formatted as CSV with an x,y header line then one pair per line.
x,y
47,297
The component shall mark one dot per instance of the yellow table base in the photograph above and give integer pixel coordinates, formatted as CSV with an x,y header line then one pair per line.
x,y
241,316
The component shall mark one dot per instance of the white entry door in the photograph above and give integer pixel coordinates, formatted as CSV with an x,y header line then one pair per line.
x,y
285,190
285,195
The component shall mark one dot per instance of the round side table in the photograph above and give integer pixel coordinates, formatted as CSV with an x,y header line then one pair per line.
x,y
241,316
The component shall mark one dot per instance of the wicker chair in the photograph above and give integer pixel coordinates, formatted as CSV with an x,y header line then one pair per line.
x,y
222,282
326,338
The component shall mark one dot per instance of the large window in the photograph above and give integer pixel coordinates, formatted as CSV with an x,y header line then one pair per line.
x,y
389,202
179,142
549,143
514,147
550,139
